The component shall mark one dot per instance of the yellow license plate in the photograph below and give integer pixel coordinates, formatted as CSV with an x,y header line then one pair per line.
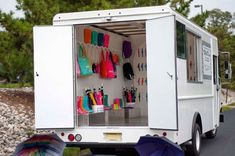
x,y
112,136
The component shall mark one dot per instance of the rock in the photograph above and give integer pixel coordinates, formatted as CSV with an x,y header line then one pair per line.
x,y
14,122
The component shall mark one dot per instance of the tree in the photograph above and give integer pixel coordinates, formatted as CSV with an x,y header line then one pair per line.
x,y
219,23
16,42
182,6
15,55
201,19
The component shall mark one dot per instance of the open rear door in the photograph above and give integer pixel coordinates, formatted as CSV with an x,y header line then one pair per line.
x,y
161,58
53,72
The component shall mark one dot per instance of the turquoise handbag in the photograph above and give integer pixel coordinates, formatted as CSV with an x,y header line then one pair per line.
x,y
84,64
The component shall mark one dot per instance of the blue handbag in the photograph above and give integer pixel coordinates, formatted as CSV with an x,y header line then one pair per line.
x,y
84,63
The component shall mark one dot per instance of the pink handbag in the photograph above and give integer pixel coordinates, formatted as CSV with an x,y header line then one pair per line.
x,y
106,40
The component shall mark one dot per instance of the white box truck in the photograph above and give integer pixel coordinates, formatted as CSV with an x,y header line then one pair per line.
x,y
175,78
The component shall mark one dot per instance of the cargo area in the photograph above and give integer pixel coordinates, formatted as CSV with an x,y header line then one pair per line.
x,y
111,88
106,73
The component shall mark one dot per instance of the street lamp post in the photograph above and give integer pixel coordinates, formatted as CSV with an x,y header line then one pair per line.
x,y
199,6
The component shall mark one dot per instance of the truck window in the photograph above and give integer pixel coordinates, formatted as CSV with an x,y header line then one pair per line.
x,y
193,58
215,69
181,40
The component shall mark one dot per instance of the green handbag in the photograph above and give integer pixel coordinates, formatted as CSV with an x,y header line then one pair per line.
x,y
84,63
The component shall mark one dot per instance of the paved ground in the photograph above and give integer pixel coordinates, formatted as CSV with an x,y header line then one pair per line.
x,y
224,143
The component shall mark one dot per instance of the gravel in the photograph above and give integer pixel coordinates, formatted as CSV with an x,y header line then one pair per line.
x,y
16,125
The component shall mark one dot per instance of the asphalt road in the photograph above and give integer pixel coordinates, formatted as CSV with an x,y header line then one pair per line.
x,y
224,143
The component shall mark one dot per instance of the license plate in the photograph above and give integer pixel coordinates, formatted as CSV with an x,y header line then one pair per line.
x,y
112,136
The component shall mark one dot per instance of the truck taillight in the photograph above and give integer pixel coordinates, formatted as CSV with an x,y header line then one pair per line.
x,y
71,137
78,137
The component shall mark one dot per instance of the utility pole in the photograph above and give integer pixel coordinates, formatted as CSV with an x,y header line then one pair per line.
x,y
199,6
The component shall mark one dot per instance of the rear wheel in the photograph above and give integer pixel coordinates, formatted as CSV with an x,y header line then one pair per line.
x,y
194,147
211,134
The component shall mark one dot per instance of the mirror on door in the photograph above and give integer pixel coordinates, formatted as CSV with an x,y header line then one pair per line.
x,y
227,70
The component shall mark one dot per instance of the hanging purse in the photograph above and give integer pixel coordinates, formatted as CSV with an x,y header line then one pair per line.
x,y
78,72
94,38
115,58
87,35
106,40
100,39
109,65
103,66
84,63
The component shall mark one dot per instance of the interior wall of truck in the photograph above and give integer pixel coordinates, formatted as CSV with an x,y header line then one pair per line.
x,y
111,68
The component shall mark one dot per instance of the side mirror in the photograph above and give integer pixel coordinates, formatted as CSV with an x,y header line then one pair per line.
x,y
228,70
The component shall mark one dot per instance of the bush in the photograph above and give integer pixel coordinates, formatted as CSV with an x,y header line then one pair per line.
x,y
17,68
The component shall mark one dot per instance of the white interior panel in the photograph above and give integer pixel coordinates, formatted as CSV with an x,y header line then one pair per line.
x,y
162,105
53,72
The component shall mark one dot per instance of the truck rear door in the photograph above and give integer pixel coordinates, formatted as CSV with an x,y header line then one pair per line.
x,y
53,72
161,58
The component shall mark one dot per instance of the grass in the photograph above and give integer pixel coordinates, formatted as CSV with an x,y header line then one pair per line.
x,y
71,151
233,105
226,108
75,151
14,85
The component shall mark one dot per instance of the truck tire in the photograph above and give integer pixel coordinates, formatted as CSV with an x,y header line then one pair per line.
x,y
193,149
211,134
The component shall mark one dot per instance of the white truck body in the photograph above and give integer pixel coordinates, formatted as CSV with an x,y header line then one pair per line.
x,y
174,103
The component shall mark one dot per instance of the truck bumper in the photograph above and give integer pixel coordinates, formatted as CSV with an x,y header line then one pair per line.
x,y
99,145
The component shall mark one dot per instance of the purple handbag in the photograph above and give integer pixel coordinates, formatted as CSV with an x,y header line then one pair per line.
x,y
126,49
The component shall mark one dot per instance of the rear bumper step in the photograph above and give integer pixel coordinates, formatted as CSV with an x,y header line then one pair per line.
x,y
99,145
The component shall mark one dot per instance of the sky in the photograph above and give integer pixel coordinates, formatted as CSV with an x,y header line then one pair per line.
x,y
224,5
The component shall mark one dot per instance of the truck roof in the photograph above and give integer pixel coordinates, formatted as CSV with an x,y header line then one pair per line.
x,y
120,15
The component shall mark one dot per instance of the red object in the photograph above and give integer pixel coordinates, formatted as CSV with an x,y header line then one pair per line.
x,y
71,137
106,40
99,98
129,96
87,35
115,58
109,66
103,66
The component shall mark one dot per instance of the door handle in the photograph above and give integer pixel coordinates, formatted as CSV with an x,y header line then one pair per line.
x,y
170,75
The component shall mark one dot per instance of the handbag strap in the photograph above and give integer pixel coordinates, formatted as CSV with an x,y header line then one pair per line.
x,y
80,53
84,53
107,55
102,55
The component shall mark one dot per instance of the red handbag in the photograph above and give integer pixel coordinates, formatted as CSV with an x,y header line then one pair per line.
x,y
109,66
115,59
103,66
